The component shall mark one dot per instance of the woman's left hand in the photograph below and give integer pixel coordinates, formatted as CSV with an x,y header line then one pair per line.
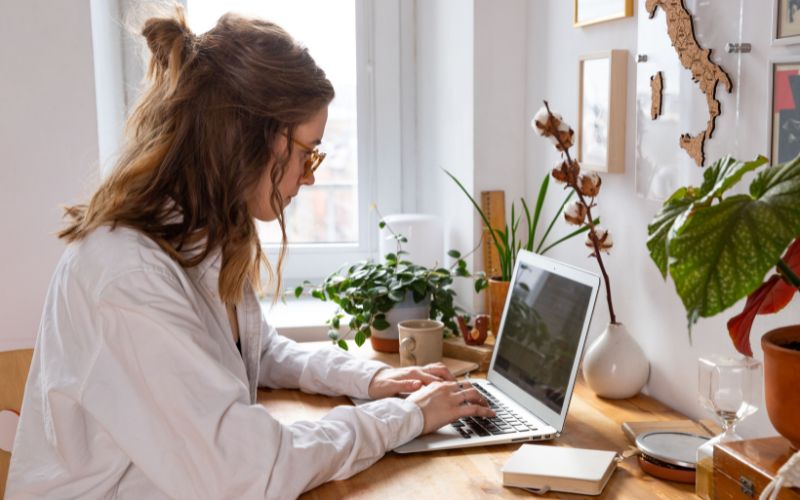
x,y
392,381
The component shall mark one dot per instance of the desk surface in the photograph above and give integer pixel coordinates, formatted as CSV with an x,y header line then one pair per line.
x,y
475,472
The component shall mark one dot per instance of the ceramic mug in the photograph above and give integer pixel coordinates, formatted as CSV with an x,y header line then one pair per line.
x,y
420,341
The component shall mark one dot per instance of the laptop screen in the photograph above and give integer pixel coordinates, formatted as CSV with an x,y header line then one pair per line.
x,y
542,333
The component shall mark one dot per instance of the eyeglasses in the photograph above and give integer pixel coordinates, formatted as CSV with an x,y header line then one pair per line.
x,y
314,160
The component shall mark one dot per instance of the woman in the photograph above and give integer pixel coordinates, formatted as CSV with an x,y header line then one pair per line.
x,y
152,343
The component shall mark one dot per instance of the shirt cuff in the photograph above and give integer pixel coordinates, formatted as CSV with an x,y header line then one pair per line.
x,y
369,369
402,417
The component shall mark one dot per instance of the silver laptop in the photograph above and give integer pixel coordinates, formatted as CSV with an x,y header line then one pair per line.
x,y
535,362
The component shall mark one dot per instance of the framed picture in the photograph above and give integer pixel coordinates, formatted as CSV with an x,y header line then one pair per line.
x,y
588,12
602,80
785,110
785,22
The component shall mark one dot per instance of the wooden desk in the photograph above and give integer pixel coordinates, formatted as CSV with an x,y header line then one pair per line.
x,y
475,472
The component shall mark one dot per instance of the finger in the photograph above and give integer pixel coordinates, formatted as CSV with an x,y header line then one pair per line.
x,y
470,410
471,396
425,377
439,370
408,385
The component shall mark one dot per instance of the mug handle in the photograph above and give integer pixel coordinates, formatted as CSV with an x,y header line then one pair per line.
x,y
407,348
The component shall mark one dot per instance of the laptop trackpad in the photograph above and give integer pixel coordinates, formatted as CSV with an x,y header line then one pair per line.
x,y
436,440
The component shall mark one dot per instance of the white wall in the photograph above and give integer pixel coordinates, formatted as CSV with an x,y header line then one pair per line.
x,y
470,113
643,301
49,146
444,55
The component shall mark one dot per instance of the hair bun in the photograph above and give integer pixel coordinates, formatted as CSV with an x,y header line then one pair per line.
x,y
169,39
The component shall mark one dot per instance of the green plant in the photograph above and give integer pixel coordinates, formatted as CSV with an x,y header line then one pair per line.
x,y
718,249
365,291
505,240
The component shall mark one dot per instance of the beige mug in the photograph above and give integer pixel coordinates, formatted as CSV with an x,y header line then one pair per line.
x,y
420,341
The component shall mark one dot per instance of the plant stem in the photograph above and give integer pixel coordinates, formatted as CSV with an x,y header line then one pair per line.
x,y
592,233
788,274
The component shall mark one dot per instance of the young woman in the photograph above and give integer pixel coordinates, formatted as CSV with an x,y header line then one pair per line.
x,y
152,343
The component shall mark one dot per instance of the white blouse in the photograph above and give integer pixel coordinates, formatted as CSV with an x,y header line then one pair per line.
x,y
137,389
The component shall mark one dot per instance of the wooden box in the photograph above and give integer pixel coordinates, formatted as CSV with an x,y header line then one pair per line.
x,y
742,469
454,347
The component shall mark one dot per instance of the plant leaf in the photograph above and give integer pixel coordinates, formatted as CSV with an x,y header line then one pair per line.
x,y
722,252
552,223
298,291
772,296
661,225
571,235
342,344
360,338
454,254
723,174
380,323
537,211
478,209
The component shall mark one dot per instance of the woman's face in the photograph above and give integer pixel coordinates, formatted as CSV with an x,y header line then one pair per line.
x,y
309,133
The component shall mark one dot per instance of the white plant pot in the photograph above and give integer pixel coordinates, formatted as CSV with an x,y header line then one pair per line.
x,y
614,365
389,340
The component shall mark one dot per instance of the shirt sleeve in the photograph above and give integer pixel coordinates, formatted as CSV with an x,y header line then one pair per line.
x,y
156,386
329,370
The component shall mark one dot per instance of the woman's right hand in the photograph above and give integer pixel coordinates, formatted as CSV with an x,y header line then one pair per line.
x,y
445,402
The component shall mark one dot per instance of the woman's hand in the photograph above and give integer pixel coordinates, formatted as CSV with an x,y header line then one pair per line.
x,y
445,402
392,381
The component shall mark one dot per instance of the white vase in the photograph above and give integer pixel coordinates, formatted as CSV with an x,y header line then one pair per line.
x,y
614,365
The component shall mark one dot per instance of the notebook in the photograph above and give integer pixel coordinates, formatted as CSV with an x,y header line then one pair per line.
x,y
535,363
571,470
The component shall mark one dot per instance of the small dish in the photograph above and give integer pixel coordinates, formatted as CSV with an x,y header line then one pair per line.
x,y
669,455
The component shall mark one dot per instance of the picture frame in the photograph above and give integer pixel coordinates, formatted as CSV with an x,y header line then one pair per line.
x,y
785,22
602,96
587,12
784,106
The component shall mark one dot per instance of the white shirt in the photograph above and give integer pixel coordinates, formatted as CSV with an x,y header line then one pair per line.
x,y
137,389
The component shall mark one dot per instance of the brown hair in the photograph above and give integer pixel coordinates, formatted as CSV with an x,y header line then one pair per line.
x,y
198,141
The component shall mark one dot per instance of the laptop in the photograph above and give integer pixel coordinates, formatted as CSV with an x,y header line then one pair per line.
x,y
535,361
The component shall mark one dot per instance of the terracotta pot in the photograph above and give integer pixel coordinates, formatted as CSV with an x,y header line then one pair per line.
x,y
781,380
498,291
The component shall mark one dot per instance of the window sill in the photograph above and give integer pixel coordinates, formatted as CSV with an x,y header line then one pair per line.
x,y
302,320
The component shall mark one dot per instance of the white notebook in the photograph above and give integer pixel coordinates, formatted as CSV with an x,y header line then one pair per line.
x,y
571,470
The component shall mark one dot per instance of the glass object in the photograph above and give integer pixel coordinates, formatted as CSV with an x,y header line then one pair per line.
x,y
728,387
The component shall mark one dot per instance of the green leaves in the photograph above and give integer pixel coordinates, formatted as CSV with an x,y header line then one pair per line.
x,y
367,290
505,240
718,249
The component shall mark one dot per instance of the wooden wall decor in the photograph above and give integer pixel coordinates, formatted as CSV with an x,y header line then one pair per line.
x,y
707,74
586,12
656,91
602,91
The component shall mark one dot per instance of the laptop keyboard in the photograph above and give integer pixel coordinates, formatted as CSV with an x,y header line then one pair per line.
x,y
506,421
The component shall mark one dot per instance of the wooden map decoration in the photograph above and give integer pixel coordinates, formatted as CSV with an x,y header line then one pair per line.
x,y
656,90
697,60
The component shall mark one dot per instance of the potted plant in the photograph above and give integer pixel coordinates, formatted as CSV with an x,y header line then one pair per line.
x,y
718,249
614,365
372,297
507,244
